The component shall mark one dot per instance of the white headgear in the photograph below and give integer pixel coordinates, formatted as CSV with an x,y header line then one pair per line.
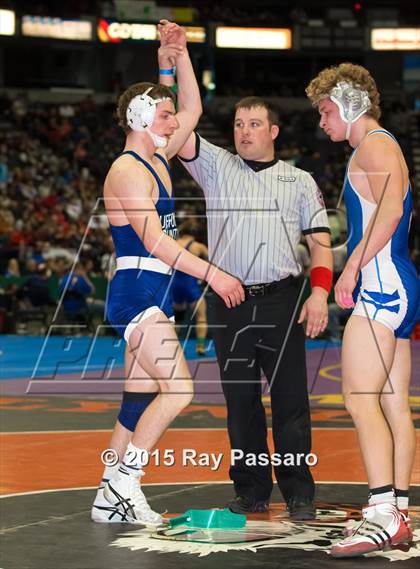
x,y
352,102
141,113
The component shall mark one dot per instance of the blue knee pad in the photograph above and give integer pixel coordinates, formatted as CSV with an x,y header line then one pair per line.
x,y
132,408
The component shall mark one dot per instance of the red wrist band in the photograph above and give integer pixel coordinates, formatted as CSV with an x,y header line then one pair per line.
x,y
321,276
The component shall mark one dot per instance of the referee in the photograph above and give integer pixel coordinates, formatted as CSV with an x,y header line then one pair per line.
x,y
257,208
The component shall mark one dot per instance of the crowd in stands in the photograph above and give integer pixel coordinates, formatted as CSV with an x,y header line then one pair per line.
x,y
53,160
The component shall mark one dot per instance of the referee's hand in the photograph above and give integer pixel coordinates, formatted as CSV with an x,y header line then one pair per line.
x,y
315,312
227,287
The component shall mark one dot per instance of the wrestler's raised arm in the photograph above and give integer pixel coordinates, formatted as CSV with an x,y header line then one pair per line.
x,y
189,100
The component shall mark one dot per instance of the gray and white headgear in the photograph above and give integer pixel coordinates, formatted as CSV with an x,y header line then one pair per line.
x,y
141,113
352,102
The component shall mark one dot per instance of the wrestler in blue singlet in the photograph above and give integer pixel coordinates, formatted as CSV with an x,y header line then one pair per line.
x,y
388,289
141,284
185,288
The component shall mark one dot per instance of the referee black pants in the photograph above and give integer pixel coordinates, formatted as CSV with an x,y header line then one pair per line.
x,y
262,334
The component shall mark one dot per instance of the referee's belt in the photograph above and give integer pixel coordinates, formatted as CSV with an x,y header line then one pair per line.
x,y
267,288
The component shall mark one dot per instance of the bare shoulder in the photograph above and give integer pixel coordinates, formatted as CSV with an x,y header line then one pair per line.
x,y
377,153
125,175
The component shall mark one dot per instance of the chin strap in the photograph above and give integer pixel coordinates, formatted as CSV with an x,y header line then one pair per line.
x,y
158,141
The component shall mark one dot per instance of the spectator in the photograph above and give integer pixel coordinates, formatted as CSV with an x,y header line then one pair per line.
x,y
13,269
77,287
35,293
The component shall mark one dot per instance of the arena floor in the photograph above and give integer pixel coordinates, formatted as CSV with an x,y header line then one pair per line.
x,y
59,402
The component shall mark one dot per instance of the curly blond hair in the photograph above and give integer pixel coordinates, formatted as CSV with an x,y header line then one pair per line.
x,y
320,87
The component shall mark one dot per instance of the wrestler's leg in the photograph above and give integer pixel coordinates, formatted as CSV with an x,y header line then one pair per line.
x,y
200,311
139,383
180,311
154,345
136,381
367,356
201,318
395,405
156,348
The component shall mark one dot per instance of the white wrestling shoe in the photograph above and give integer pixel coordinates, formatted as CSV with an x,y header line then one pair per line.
x,y
123,492
105,513
382,526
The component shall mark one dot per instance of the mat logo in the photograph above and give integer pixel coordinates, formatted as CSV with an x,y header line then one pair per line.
x,y
317,536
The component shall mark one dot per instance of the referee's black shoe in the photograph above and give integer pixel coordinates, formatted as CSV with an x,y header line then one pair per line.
x,y
301,508
245,505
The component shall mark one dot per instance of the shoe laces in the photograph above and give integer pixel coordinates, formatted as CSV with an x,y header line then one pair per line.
x,y
139,499
357,528
137,495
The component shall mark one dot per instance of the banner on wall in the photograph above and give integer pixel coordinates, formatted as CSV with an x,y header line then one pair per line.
x,y
112,31
253,38
47,27
7,23
395,38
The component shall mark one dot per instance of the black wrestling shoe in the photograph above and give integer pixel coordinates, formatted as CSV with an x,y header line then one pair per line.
x,y
301,508
244,505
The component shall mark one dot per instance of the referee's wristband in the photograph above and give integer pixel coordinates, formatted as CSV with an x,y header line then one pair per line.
x,y
170,71
322,277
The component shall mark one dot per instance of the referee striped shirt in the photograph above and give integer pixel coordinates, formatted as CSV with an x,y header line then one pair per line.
x,y
255,219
